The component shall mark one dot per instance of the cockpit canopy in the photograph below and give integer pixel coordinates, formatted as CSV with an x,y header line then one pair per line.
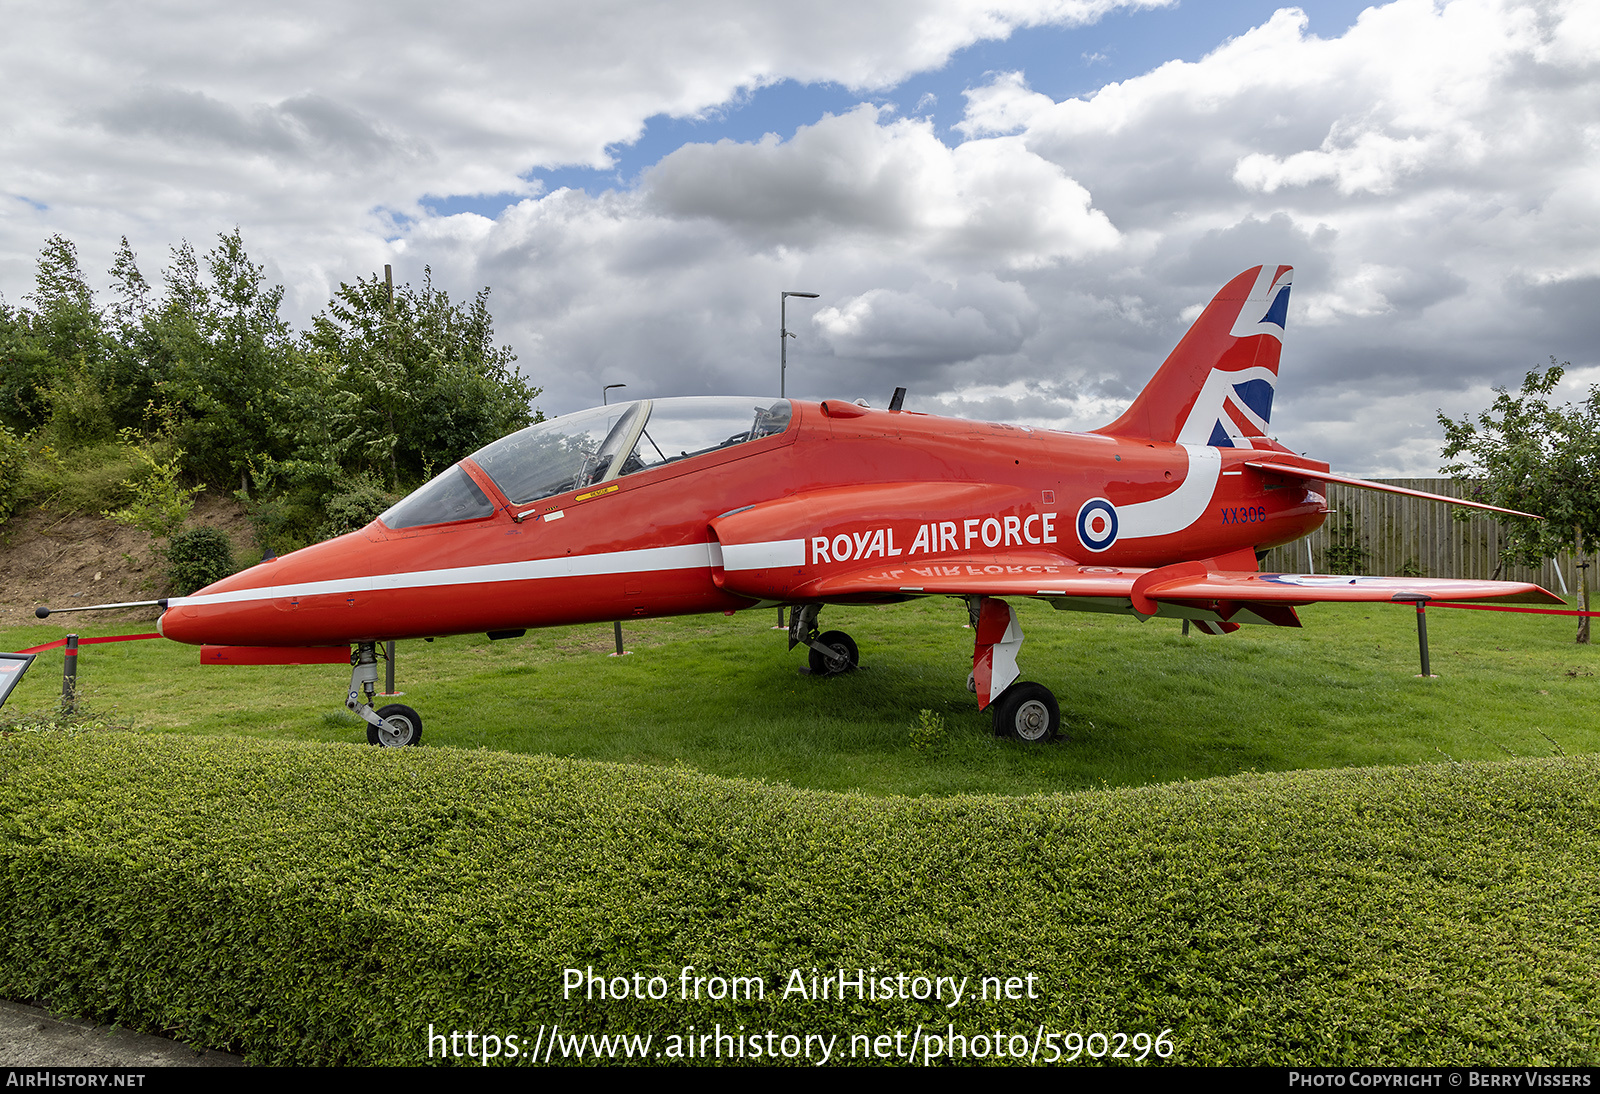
x,y
591,447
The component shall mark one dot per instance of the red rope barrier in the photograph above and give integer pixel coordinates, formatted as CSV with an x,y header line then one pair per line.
x,y
89,641
1506,608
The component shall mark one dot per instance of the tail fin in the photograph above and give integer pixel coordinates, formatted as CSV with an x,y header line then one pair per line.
x,y
1216,388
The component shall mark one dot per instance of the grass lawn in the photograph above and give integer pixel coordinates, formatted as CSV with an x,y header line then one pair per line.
x,y
1142,703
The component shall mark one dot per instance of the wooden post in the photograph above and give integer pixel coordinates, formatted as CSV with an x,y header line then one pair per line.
x,y
1583,585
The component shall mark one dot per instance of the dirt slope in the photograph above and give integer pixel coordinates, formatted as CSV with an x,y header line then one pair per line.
x,y
67,560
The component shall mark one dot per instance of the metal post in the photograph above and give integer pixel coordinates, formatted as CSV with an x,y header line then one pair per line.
x,y
605,400
69,676
1422,628
1422,635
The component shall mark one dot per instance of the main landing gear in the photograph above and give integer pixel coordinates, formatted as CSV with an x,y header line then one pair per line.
x,y
1021,709
832,652
393,726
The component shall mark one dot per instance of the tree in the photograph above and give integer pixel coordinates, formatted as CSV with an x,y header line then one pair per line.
x,y
231,379
49,356
432,385
66,320
1530,454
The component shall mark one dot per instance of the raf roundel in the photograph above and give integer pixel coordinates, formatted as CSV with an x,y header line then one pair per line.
x,y
1097,524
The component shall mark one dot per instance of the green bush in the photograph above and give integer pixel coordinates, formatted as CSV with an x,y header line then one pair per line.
x,y
79,417
327,904
85,480
198,557
356,506
13,455
928,735
160,505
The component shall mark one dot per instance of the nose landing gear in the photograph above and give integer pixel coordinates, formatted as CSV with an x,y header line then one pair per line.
x,y
394,726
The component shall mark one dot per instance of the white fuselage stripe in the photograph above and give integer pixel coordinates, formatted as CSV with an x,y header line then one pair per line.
x,y
764,556
1179,509
690,556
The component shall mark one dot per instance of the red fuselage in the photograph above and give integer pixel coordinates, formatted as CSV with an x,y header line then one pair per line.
x,y
869,488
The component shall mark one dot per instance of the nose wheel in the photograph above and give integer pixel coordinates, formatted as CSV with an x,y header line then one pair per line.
x,y
401,726
396,725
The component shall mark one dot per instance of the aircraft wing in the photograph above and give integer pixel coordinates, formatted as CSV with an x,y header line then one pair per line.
x,y
876,546
1187,590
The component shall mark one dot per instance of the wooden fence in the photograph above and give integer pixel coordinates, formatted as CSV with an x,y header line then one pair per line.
x,y
1392,534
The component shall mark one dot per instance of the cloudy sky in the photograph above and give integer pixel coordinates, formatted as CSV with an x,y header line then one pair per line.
x,y
1011,207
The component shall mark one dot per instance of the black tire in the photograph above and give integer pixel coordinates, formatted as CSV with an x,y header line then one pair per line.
x,y
402,726
845,655
1028,712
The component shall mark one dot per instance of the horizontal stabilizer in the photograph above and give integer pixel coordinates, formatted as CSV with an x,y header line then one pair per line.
x,y
1366,484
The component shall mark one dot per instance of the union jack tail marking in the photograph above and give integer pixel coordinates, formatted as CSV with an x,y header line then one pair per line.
x,y
1216,387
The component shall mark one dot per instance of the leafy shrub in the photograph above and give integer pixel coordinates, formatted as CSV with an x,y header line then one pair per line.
x,y
1345,553
323,904
160,505
78,414
198,557
13,453
356,506
929,733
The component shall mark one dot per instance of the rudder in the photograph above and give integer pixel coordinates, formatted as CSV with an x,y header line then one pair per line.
x,y
1216,387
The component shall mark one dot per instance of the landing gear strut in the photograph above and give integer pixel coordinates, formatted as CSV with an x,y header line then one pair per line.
x,y
832,652
396,725
1024,710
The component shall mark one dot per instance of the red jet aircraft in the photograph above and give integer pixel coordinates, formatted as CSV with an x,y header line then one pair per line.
x,y
681,506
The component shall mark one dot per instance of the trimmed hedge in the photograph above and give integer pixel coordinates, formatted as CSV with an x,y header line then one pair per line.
x,y
320,904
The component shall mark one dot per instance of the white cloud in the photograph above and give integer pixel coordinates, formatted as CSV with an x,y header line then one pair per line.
x,y
933,323
1004,105
1430,173
1416,169
320,128
991,202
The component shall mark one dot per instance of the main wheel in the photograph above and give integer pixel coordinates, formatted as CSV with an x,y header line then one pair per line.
x,y
401,726
844,658
1028,712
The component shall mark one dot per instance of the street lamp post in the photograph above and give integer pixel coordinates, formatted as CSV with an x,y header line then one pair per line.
x,y
783,365
784,335
616,624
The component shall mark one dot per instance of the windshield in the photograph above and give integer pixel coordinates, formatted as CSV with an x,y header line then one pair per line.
x,y
565,453
597,445
451,496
